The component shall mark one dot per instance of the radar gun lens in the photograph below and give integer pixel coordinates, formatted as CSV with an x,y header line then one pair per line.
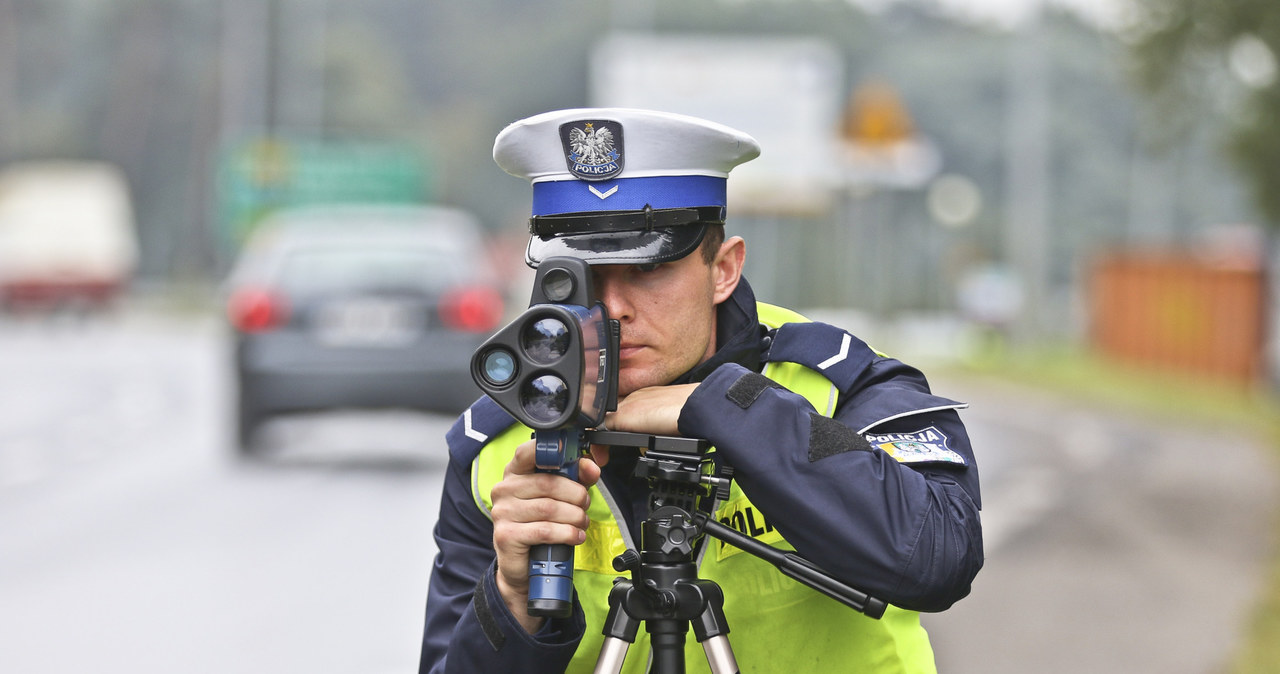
x,y
545,399
558,285
499,367
546,341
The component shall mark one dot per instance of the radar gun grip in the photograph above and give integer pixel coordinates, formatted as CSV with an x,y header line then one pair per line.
x,y
551,566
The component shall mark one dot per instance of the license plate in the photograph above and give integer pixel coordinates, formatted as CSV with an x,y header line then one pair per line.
x,y
366,322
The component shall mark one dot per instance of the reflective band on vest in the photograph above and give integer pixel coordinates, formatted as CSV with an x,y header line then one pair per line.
x,y
774,622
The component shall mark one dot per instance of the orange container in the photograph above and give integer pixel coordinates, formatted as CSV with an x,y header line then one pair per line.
x,y
1177,312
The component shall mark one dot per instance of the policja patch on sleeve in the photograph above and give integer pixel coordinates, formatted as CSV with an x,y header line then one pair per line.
x,y
923,446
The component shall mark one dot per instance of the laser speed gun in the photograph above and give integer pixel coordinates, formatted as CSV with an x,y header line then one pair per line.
x,y
554,368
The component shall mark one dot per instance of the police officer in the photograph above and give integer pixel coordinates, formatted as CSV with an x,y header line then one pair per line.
x,y
841,453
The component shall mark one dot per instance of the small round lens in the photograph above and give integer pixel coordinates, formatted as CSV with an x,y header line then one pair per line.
x,y
558,285
546,341
545,399
499,367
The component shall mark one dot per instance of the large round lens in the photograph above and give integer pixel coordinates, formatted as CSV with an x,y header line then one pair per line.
x,y
498,367
546,341
545,399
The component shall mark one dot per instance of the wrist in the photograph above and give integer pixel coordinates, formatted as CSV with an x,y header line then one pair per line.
x,y
517,602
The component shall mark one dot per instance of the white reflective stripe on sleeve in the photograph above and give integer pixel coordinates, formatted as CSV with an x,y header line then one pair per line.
x,y
957,406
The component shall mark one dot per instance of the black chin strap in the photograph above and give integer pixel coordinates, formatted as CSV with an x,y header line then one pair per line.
x,y
592,222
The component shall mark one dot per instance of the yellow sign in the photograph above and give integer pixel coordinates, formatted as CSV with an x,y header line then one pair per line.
x,y
877,116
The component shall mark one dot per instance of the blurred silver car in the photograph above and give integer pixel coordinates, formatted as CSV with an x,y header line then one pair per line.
x,y
359,307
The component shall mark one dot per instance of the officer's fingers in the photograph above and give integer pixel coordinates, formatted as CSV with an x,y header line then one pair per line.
x,y
512,537
523,460
541,485
512,541
540,530
535,510
537,497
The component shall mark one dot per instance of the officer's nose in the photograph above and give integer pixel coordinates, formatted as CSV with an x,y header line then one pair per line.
x,y
611,291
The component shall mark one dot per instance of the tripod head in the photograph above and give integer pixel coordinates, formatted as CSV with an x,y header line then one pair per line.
x,y
679,471
681,474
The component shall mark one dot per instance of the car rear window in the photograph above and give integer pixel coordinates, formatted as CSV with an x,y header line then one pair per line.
x,y
382,268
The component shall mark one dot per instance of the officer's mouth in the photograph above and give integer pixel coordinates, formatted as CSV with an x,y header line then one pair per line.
x,y
626,352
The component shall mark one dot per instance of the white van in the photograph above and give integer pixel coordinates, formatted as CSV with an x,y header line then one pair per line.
x,y
67,234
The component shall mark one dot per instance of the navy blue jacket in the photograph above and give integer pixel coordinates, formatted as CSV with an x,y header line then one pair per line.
x,y
904,530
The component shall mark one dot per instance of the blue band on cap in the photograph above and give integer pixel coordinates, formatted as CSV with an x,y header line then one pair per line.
x,y
627,194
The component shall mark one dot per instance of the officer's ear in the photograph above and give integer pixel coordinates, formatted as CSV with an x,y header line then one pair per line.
x,y
726,268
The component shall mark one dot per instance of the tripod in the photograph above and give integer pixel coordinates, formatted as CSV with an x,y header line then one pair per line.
x,y
665,592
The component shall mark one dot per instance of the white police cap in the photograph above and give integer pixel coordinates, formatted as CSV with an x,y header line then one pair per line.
x,y
619,185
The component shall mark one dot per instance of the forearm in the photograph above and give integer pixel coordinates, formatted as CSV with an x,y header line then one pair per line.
x,y
911,537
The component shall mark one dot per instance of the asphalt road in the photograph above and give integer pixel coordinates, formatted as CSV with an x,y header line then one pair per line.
x,y
1114,543
133,541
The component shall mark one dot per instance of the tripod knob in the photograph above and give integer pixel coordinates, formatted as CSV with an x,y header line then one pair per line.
x,y
629,560
675,530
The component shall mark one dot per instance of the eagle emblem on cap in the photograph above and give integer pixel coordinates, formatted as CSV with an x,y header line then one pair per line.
x,y
593,148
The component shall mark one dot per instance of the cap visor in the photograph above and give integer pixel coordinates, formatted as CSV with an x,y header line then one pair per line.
x,y
638,247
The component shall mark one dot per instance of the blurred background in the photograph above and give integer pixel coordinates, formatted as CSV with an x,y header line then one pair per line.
x,y
246,247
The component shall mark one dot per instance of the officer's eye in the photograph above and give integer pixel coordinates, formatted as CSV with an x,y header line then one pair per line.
x,y
648,268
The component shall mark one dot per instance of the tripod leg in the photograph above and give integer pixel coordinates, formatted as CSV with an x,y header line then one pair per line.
x,y
720,655
711,629
619,631
613,653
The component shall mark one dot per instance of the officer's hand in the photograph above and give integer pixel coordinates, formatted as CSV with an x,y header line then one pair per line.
x,y
654,410
531,508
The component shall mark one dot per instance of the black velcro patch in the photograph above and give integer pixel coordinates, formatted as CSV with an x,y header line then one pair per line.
x,y
488,623
748,388
828,437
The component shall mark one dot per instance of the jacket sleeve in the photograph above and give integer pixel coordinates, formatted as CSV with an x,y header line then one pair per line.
x,y
905,532
468,627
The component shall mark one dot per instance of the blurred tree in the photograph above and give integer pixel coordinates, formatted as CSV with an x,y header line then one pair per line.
x,y
366,92
1193,57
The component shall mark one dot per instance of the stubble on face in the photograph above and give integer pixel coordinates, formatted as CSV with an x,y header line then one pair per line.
x,y
667,315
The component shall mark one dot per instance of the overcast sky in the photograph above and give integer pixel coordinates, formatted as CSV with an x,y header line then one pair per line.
x,y
1010,12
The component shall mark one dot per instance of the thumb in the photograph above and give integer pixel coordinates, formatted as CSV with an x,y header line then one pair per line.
x,y
588,470
600,455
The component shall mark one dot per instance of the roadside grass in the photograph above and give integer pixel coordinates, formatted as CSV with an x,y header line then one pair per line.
x,y
1161,395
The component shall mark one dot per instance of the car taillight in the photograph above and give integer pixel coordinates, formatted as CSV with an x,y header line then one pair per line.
x,y
471,309
256,310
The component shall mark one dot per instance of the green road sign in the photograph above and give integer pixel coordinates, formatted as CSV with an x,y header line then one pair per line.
x,y
260,176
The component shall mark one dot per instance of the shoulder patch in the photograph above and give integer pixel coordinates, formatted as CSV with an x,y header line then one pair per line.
x,y
928,445
475,427
834,352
